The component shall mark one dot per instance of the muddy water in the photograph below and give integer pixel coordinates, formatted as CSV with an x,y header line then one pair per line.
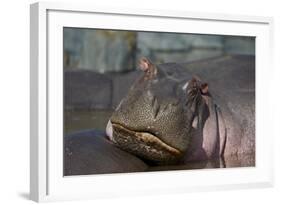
x,y
82,120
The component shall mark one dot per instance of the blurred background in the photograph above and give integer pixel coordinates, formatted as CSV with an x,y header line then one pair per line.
x,y
100,65
118,51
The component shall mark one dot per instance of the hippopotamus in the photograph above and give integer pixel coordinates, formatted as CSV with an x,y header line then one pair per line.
x,y
168,118
174,116
90,152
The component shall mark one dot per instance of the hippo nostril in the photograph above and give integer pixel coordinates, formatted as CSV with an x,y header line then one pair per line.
x,y
153,103
155,106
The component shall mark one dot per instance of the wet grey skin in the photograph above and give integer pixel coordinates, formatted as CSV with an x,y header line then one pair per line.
x,y
154,121
89,152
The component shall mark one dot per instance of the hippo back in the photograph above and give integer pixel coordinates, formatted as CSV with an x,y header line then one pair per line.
x,y
89,152
231,81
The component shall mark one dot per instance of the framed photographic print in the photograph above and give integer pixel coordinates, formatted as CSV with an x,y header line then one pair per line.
x,y
128,101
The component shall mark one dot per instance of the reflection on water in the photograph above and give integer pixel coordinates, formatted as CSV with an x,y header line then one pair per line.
x,y
227,162
81,120
214,163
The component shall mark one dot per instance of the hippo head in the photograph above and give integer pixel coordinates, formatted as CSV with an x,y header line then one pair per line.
x,y
154,121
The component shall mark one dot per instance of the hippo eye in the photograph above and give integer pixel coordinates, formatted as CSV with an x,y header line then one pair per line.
x,y
193,96
193,91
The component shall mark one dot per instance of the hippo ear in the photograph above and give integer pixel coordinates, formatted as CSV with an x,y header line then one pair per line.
x,y
204,88
144,64
148,67
197,82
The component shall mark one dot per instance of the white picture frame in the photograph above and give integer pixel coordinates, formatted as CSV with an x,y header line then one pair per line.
x,y
46,176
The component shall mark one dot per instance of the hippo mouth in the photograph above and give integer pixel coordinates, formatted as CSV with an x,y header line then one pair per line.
x,y
144,144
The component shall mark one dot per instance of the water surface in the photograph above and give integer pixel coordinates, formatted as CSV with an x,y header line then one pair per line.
x,y
82,120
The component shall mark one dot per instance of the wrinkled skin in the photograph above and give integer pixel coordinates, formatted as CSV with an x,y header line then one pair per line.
x,y
164,118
